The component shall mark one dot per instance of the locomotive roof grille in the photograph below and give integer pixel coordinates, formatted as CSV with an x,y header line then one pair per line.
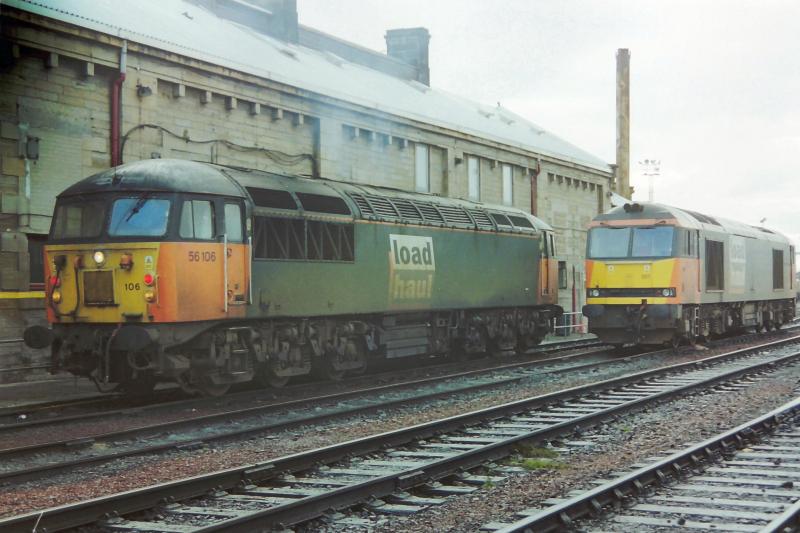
x,y
455,215
321,203
272,198
703,218
430,212
502,220
482,219
520,222
363,205
407,209
412,210
383,207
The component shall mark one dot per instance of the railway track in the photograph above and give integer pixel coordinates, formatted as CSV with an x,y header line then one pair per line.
x,y
437,458
61,411
746,479
192,431
119,405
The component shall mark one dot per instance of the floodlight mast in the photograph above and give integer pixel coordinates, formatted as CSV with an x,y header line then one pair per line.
x,y
651,169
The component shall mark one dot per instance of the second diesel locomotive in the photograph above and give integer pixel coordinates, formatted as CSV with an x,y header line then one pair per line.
x,y
166,270
658,274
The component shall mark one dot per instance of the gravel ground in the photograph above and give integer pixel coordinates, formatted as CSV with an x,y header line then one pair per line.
x,y
142,471
187,409
631,439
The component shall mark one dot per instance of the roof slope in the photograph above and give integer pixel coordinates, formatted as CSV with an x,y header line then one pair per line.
x,y
189,30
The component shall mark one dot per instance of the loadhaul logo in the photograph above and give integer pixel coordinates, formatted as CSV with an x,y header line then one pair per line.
x,y
411,267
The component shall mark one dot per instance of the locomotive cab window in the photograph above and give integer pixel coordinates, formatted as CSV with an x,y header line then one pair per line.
x,y
653,241
233,222
142,216
777,269
197,220
78,219
608,242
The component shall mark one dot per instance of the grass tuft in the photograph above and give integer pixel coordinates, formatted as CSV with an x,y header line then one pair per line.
x,y
526,450
541,464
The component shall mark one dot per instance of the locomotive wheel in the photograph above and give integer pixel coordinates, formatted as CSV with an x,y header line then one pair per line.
x,y
209,389
204,387
323,369
267,378
106,388
140,385
676,342
360,371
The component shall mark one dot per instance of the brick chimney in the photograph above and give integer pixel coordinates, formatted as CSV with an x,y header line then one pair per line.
x,y
410,45
276,18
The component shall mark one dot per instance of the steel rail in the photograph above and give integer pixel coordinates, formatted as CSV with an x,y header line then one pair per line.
x,y
193,442
82,513
199,402
562,515
247,395
790,518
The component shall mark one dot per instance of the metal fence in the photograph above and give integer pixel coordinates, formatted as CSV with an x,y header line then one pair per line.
x,y
569,323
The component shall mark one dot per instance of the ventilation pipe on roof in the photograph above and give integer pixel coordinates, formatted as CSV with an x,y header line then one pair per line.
x,y
116,108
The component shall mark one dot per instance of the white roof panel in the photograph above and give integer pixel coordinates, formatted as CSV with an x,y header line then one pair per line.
x,y
189,30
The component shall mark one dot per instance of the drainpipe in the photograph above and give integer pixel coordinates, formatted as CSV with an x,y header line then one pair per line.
x,y
534,186
572,317
116,108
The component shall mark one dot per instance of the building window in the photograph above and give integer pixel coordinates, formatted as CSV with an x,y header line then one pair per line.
x,y
715,273
474,178
508,185
777,269
562,274
35,251
422,168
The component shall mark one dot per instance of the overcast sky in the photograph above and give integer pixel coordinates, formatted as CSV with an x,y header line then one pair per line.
x,y
715,85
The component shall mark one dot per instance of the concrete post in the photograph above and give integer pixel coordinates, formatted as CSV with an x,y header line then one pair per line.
x,y
623,123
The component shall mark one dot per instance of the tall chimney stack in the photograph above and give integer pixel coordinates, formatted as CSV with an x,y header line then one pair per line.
x,y
623,181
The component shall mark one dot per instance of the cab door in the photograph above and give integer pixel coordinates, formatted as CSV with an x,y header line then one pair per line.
x,y
236,258
548,272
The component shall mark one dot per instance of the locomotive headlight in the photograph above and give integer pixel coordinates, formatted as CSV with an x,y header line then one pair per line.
x,y
56,297
595,292
99,257
668,292
149,296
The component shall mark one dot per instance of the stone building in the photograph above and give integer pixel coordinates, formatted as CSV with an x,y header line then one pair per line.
x,y
86,85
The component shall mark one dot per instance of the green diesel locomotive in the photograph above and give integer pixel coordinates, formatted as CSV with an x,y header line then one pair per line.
x,y
168,270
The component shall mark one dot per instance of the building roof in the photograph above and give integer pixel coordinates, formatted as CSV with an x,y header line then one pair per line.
x,y
189,30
